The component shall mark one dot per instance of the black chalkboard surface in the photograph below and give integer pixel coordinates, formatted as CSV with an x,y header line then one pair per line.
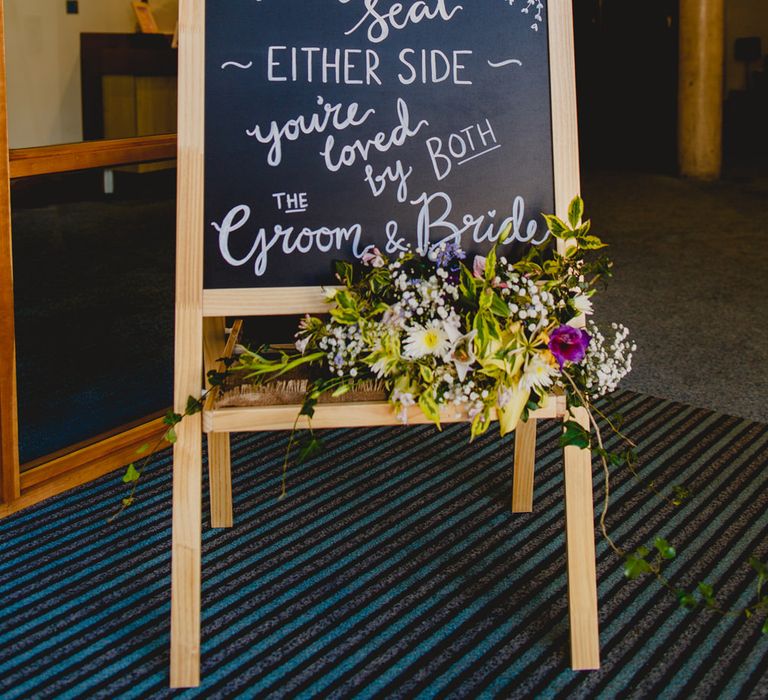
x,y
333,125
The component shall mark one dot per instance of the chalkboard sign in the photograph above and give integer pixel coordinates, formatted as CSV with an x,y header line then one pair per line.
x,y
335,125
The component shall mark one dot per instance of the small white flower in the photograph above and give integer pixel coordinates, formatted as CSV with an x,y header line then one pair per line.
x,y
582,304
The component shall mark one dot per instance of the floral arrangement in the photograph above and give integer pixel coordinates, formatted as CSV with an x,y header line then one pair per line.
x,y
484,339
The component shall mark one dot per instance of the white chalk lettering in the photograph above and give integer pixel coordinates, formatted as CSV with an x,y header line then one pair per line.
x,y
291,203
379,23
435,227
460,148
382,142
432,66
329,116
314,64
397,174
289,240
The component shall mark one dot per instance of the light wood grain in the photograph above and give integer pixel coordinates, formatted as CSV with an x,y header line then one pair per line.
x,y
219,452
26,162
580,535
267,301
565,131
349,414
10,488
580,545
525,463
187,467
115,450
220,479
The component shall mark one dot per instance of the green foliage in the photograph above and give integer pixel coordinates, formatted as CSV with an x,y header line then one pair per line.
x,y
575,211
131,474
575,435
665,550
687,600
681,495
635,565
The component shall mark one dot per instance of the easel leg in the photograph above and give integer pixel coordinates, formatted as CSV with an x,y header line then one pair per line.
x,y
580,544
525,459
219,461
185,555
220,479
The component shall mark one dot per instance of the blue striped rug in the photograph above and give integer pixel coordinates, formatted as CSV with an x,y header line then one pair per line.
x,y
395,569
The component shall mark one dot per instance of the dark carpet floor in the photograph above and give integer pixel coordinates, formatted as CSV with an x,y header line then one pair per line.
x,y
395,569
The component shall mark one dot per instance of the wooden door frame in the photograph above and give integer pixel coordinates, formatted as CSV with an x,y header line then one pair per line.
x,y
10,486
86,461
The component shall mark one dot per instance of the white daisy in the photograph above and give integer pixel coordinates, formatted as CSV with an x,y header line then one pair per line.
x,y
538,374
431,339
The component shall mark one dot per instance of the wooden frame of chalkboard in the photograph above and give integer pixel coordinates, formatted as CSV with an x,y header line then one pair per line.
x,y
200,340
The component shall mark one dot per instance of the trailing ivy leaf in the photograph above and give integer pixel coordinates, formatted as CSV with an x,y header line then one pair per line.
x,y
172,418
642,552
575,435
170,436
681,495
686,600
127,502
758,566
131,474
312,447
635,567
665,550
144,448
708,593
193,406
575,211
615,458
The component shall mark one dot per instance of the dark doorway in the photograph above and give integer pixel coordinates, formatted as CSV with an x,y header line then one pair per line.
x,y
626,66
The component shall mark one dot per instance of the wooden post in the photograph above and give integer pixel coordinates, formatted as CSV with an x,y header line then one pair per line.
x,y
700,127
188,372
580,546
10,488
525,463
219,452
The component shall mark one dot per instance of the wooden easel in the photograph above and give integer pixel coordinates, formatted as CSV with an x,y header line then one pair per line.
x,y
200,340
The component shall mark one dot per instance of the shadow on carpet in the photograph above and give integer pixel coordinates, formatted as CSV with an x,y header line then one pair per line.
x,y
395,569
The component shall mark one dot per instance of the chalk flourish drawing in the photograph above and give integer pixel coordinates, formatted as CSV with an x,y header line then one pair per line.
x,y
537,6
235,64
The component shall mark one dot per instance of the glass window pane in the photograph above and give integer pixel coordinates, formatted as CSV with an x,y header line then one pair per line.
x,y
93,279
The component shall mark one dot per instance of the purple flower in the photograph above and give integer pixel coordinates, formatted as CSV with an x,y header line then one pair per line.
x,y
446,253
568,344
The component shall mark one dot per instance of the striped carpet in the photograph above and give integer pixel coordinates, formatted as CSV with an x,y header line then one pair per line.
x,y
395,569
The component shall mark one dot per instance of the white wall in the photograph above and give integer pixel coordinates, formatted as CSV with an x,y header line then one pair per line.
x,y
43,62
743,18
